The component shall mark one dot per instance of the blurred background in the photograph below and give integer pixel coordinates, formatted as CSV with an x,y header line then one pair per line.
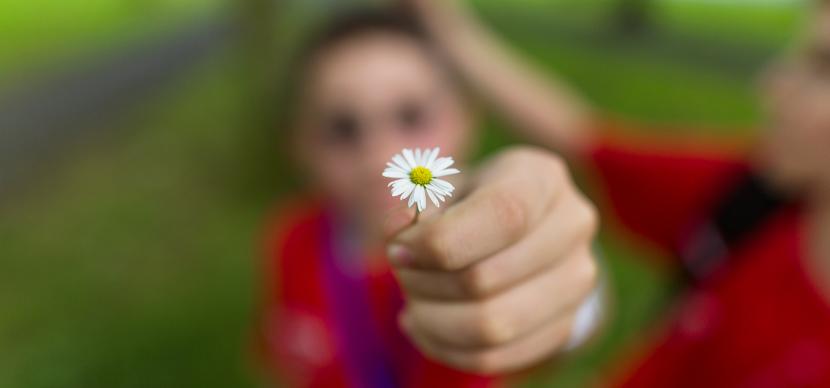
x,y
138,162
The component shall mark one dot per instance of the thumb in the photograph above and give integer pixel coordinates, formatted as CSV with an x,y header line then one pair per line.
x,y
399,219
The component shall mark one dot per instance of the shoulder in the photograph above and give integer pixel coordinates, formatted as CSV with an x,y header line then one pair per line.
x,y
291,224
617,138
289,245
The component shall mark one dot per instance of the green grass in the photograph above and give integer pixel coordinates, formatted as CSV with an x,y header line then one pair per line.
x,y
39,33
643,89
134,264
765,23
747,22
645,78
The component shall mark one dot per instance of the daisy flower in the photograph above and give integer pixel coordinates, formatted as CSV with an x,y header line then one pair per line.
x,y
417,176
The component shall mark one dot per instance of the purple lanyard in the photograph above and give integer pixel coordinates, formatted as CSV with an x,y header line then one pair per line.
x,y
367,360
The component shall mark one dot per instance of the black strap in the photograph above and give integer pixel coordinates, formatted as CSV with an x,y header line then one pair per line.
x,y
744,208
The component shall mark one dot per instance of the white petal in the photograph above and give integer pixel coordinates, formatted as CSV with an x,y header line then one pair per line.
x,y
435,188
410,158
402,188
397,182
414,197
425,157
390,173
399,189
419,157
442,163
395,167
432,157
440,193
408,193
444,185
445,172
401,162
421,198
432,197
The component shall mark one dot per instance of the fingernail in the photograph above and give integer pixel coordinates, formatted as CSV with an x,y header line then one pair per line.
x,y
399,255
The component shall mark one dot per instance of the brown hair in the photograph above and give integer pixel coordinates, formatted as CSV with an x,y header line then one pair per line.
x,y
354,24
344,27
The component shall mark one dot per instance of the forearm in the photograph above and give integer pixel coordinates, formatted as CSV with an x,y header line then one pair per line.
x,y
541,108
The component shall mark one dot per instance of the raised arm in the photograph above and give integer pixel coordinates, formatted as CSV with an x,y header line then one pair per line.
x,y
538,106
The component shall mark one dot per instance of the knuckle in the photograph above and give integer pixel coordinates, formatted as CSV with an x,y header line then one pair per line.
x,y
555,167
588,216
510,212
587,272
474,282
440,245
521,153
491,328
527,153
553,175
549,162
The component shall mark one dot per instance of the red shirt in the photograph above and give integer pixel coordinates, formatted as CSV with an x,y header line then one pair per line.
x,y
758,320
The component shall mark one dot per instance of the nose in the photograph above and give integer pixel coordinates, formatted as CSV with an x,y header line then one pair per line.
x,y
377,150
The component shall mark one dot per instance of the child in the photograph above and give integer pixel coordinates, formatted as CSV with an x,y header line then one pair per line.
x,y
477,274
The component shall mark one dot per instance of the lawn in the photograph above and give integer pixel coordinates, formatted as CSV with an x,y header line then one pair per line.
x,y
131,261
44,33
132,266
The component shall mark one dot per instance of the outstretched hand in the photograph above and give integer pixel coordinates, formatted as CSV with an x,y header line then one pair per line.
x,y
493,282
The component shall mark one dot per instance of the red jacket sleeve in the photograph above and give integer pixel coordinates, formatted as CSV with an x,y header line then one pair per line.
x,y
655,189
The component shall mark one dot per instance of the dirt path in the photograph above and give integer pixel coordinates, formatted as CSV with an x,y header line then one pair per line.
x,y
41,113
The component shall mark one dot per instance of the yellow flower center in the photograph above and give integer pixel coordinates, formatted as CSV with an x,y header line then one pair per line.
x,y
420,176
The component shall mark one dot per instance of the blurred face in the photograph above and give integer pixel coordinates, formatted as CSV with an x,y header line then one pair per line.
x,y
366,99
796,147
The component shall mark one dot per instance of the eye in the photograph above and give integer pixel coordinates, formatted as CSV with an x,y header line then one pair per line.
x,y
343,128
412,116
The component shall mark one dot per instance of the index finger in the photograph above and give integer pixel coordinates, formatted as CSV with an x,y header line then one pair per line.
x,y
505,202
